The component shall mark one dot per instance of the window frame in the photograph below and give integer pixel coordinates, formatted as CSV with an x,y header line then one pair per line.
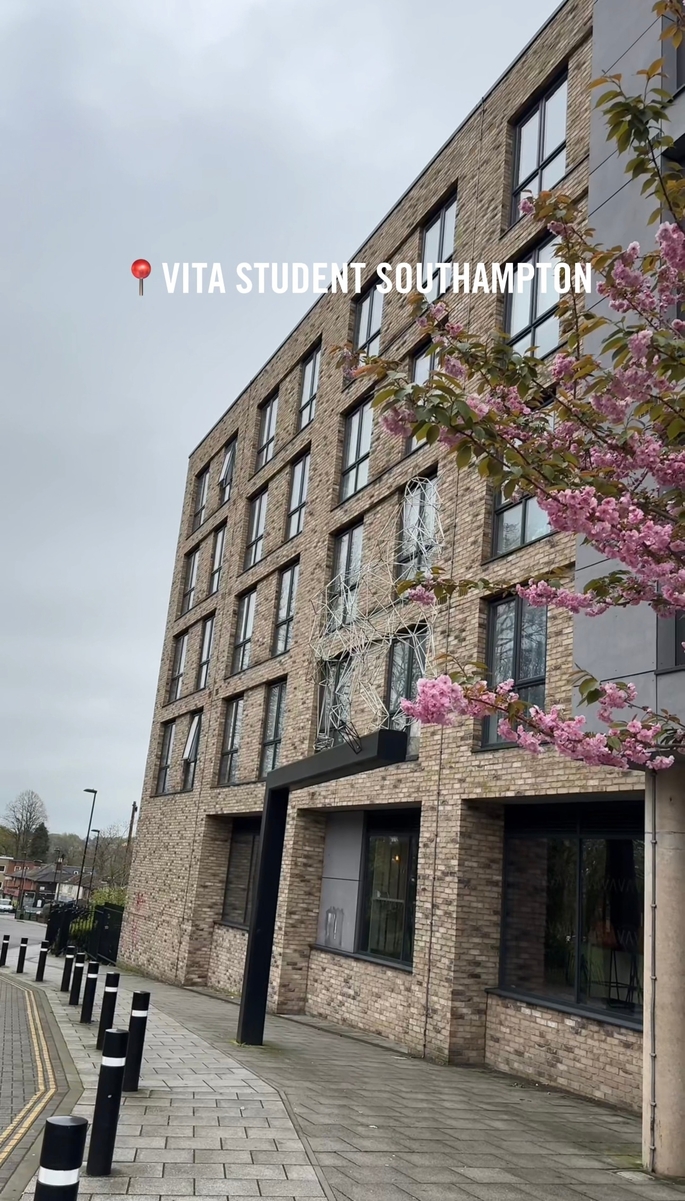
x,y
250,825
217,567
230,741
200,497
406,566
499,507
206,643
328,689
430,352
519,682
292,570
272,742
307,410
534,323
178,661
296,511
439,215
189,586
256,529
518,189
360,464
166,751
228,468
191,751
370,344
389,823
348,615
412,661
266,436
670,633
244,628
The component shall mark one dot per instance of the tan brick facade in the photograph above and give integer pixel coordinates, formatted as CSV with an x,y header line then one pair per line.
x,y
173,928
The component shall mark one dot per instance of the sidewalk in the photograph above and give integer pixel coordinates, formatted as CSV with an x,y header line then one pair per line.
x,y
314,1114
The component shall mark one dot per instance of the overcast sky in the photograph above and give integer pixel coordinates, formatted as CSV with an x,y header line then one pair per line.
x,y
217,130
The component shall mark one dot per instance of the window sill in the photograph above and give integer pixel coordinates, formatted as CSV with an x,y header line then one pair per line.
x,y
233,925
393,963
579,1011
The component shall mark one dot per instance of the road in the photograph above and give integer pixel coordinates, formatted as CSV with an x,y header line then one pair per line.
x,y
34,931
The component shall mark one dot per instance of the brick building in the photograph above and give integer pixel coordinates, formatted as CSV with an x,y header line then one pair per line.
x,y
473,903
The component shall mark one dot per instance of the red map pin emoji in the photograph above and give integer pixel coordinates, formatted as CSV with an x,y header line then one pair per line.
x,y
141,269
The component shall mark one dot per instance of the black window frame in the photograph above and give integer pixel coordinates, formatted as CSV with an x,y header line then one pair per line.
x,y
307,411
414,667
191,751
166,750
347,615
389,823
189,580
244,628
206,644
288,580
430,352
217,567
408,565
270,747
502,506
329,688
520,683
247,829
534,323
266,437
298,504
230,741
228,468
369,343
440,217
358,467
256,529
200,497
520,187
178,661
670,635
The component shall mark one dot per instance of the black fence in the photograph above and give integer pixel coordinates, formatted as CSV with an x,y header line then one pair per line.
x,y
94,929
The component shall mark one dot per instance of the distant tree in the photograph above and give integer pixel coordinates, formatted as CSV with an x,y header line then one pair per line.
x,y
69,846
39,848
111,863
23,815
6,841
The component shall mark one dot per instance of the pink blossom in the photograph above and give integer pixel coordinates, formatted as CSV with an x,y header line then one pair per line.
x,y
421,596
527,206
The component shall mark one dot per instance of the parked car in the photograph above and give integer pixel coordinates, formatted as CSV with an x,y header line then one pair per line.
x,y
6,905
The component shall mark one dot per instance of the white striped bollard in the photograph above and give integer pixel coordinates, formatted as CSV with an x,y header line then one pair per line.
x,y
89,992
109,1004
5,948
77,977
61,1157
43,954
22,955
66,972
107,1103
136,1038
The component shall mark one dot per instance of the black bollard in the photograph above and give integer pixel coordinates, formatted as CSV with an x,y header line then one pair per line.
x,y
5,948
43,954
136,1039
89,992
77,977
109,1004
107,1103
68,965
61,1157
22,955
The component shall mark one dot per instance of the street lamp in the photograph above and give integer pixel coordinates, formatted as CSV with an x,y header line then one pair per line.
x,y
95,855
58,873
94,791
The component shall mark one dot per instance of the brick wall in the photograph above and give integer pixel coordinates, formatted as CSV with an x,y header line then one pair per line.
x,y
227,959
366,996
577,1054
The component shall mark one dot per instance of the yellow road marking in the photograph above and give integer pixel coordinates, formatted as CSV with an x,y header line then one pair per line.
x,y
47,1087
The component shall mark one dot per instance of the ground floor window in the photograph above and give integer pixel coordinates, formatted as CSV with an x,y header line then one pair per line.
x,y
388,881
573,904
242,871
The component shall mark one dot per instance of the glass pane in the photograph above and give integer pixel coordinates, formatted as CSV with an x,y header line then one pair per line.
x,y
449,223
352,437
399,665
530,189
307,379
363,326
523,344
680,637
528,147
553,172
376,310
502,653
366,429
545,336
532,654
540,916
520,304
508,529
374,346
388,880
422,367
555,120
546,294
355,554
537,521
611,951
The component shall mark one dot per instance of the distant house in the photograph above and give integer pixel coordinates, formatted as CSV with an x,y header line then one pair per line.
x,y
40,884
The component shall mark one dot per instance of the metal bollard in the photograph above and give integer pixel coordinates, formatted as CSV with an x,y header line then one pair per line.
x,y
107,1103
68,965
40,970
136,1039
22,955
77,977
89,992
5,948
61,1156
109,1004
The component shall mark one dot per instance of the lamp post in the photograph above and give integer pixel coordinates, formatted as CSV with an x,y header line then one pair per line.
x,y
58,873
95,856
94,792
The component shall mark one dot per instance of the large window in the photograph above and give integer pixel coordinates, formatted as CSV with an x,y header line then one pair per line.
x,y
670,636
573,905
227,469
189,581
205,651
342,590
217,559
298,496
200,498
267,431
367,334
438,247
285,614
230,746
273,727
423,365
406,666
335,701
418,546
357,449
178,667
388,899
191,752
517,650
532,319
540,150
254,548
243,632
165,753
310,384
517,522
242,871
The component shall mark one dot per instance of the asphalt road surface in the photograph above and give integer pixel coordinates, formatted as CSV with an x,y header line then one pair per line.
x,y
34,931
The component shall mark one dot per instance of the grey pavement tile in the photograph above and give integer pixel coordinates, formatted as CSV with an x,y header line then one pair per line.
x,y
105,1184
163,1188
489,1176
284,1157
163,1155
223,1155
291,1188
208,1170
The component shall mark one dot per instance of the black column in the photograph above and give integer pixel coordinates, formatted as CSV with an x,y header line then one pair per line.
x,y
261,937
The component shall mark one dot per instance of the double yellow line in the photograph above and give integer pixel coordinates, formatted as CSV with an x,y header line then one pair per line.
x,y
45,1079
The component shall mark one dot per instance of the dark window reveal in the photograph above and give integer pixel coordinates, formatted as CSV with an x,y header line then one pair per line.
x,y
517,650
388,901
242,871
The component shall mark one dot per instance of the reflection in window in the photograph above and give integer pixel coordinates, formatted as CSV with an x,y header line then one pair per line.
x,y
205,652
217,559
242,871
191,752
299,486
343,588
273,728
285,614
389,885
310,384
200,498
367,336
166,751
418,546
189,581
532,319
335,701
423,365
178,667
518,522
267,431
230,747
356,450
242,646
227,470
517,650
406,667
541,147
254,547
438,247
